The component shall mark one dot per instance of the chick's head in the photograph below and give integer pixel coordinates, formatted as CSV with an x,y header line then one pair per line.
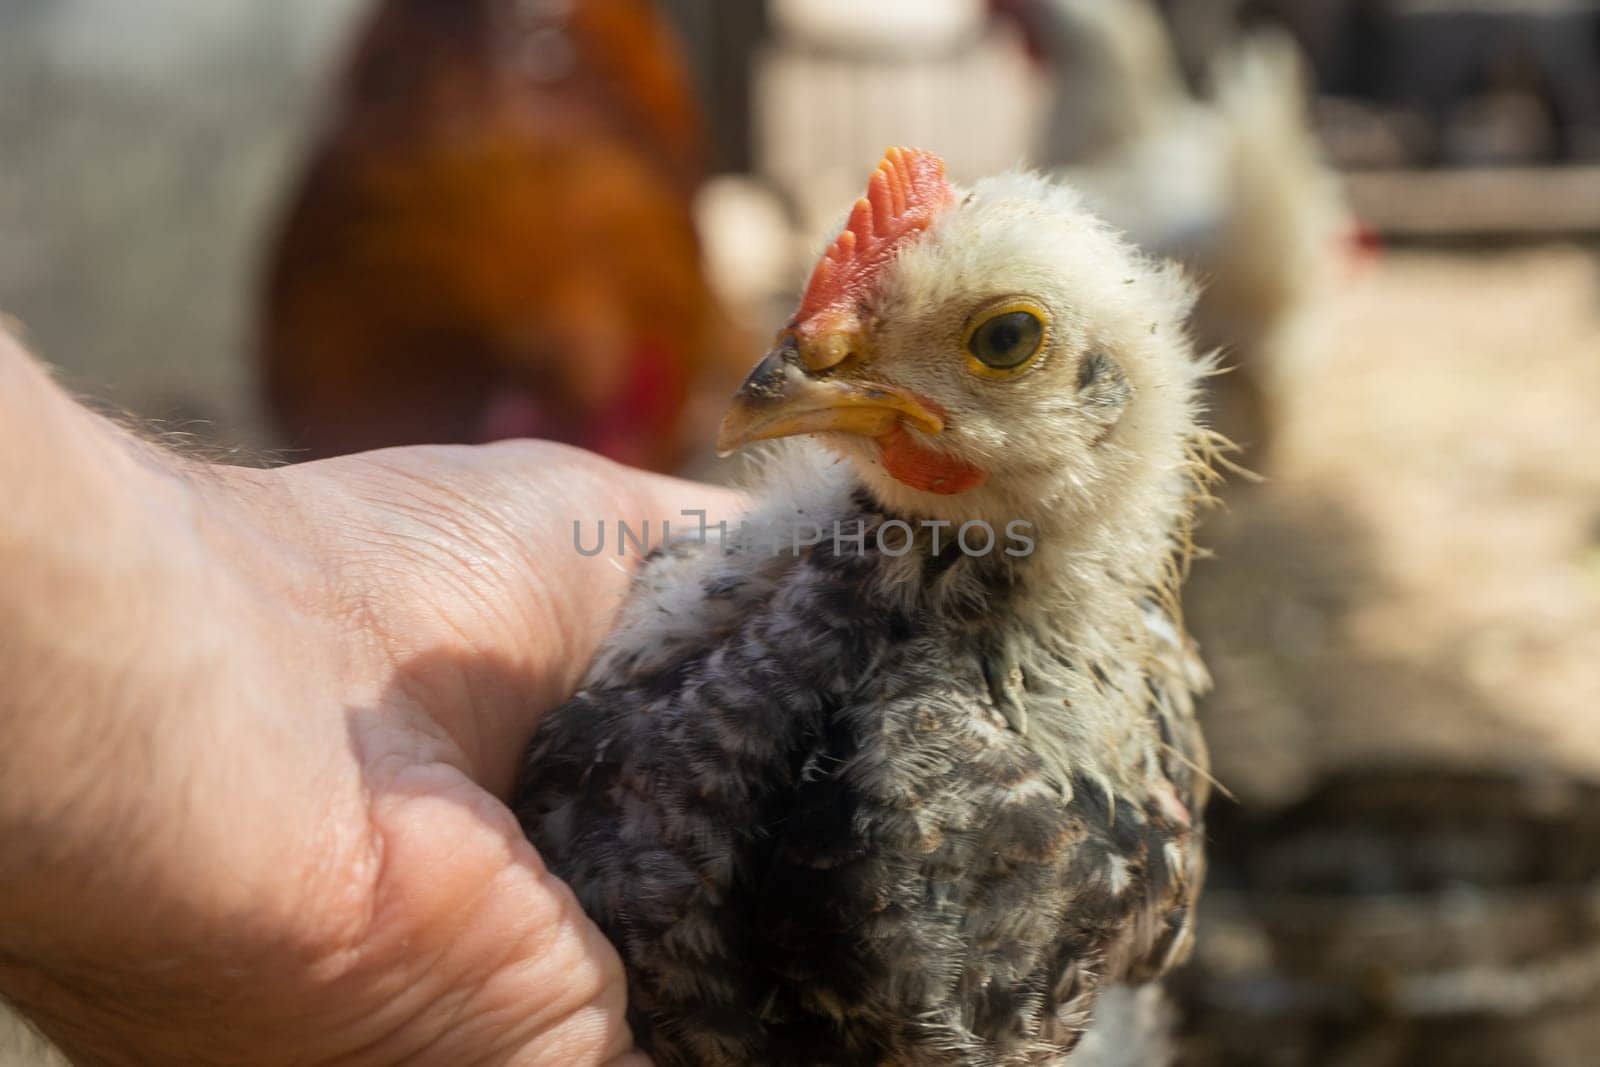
x,y
991,353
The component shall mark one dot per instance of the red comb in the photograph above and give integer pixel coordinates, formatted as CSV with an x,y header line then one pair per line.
x,y
905,194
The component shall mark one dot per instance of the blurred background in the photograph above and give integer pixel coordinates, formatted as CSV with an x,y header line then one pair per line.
x,y
312,226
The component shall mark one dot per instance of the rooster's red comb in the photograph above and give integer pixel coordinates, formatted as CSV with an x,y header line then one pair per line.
x,y
904,196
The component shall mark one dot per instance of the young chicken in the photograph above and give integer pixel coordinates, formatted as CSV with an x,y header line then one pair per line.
x,y
919,789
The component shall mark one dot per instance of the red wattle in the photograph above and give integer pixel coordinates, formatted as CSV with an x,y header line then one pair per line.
x,y
922,468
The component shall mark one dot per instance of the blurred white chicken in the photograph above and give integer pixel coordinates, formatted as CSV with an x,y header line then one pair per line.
x,y
1233,186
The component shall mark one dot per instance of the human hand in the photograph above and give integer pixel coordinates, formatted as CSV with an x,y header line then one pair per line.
x,y
255,732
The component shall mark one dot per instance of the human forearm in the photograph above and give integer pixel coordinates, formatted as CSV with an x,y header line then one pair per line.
x,y
80,571
127,652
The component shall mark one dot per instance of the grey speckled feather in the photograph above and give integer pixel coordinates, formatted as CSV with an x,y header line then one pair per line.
x,y
815,839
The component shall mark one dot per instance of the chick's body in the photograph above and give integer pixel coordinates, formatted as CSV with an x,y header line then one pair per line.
x,y
912,794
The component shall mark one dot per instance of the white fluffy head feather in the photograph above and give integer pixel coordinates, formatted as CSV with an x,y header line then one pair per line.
x,y
1100,428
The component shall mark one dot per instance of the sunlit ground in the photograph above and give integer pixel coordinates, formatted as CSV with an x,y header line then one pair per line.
x,y
1404,623
1419,577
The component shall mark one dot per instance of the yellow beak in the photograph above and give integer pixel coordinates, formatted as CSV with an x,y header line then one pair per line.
x,y
782,397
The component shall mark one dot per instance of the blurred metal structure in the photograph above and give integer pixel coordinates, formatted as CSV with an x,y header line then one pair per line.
x,y
1469,82
1471,203
1498,81
837,82
720,37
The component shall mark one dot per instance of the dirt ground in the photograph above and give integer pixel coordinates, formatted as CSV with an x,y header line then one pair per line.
x,y
1418,580
1403,622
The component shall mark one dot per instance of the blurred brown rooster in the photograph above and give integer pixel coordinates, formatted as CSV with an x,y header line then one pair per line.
x,y
493,237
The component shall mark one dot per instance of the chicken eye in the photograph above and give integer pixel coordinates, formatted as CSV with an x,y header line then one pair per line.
x,y
1006,339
